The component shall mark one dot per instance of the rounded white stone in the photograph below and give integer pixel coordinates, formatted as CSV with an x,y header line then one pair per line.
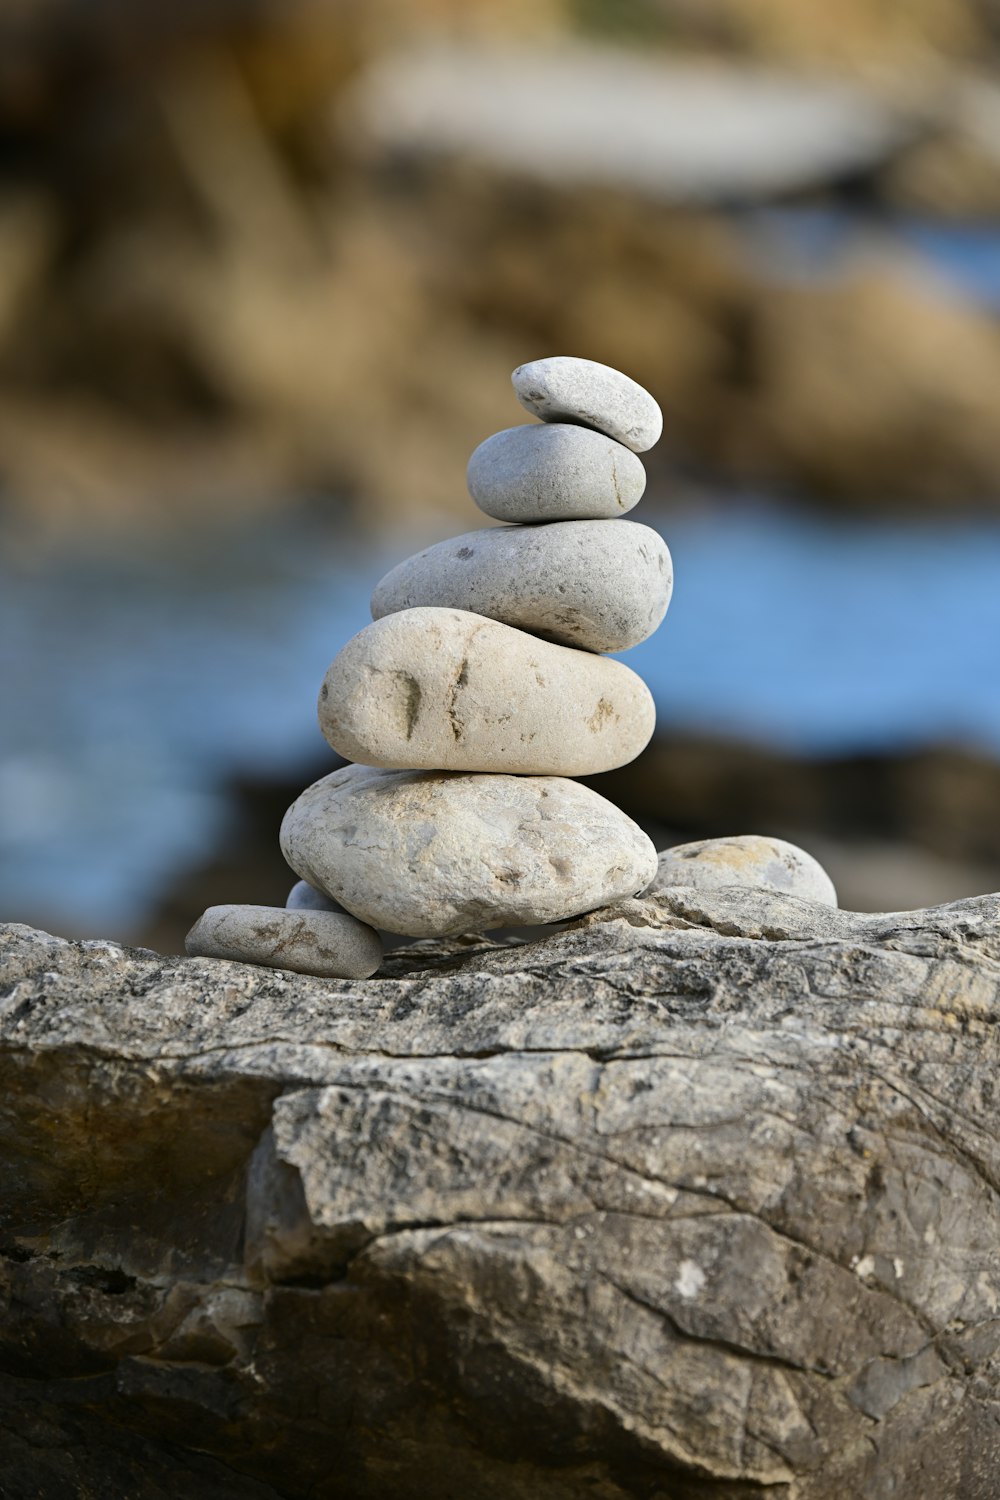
x,y
564,389
446,690
330,945
427,854
305,897
599,585
555,472
746,859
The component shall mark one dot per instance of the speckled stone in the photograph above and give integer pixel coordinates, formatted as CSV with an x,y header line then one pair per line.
x,y
305,897
557,472
443,689
746,859
563,389
431,854
599,585
330,945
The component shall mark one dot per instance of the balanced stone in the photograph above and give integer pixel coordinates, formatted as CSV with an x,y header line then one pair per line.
x,y
563,389
600,585
444,689
305,897
330,945
746,859
432,854
554,473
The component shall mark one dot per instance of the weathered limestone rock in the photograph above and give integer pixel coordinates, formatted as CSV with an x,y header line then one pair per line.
x,y
697,1199
748,859
443,689
428,854
596,585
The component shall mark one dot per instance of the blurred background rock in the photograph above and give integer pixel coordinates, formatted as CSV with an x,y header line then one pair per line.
x,y
265,266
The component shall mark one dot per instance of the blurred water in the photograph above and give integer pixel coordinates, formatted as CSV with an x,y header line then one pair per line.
x,y
135,688
137,685
822,243
824,635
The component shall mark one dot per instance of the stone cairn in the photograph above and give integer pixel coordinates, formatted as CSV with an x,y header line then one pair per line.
x,y
481,686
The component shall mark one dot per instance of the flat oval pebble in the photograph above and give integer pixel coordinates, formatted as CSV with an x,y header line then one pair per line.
x,y
305,897
554,473
447,690
746,859
329,945
428,854
599,585
564,389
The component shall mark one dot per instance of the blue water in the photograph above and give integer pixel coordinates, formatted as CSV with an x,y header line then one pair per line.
x,y
822,243
821,635
967,255
135,688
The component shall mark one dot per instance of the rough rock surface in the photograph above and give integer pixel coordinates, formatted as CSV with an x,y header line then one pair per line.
x,y
599,585
699,1198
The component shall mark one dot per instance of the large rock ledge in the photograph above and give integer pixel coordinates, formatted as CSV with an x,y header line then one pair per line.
x,y
699,1197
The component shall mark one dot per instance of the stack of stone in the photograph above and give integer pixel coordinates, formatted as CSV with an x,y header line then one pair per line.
x,y
480,687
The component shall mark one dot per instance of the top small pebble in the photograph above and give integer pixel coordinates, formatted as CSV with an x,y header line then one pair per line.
x,y
563,389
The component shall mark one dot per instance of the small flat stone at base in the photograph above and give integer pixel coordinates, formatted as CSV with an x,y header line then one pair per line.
x,y
748,859
329,945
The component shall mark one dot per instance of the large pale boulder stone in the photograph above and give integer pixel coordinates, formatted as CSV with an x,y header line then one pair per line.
x,y
427,854
696,1199
444,689
599,585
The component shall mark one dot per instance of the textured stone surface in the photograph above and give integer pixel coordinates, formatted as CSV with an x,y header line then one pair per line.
x,y
599,585
745,859
554,473
699,1199
305,897
329,944
443,689
564,389
426,854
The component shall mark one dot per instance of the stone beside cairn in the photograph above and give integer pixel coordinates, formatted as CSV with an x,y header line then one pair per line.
x,y
480,687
